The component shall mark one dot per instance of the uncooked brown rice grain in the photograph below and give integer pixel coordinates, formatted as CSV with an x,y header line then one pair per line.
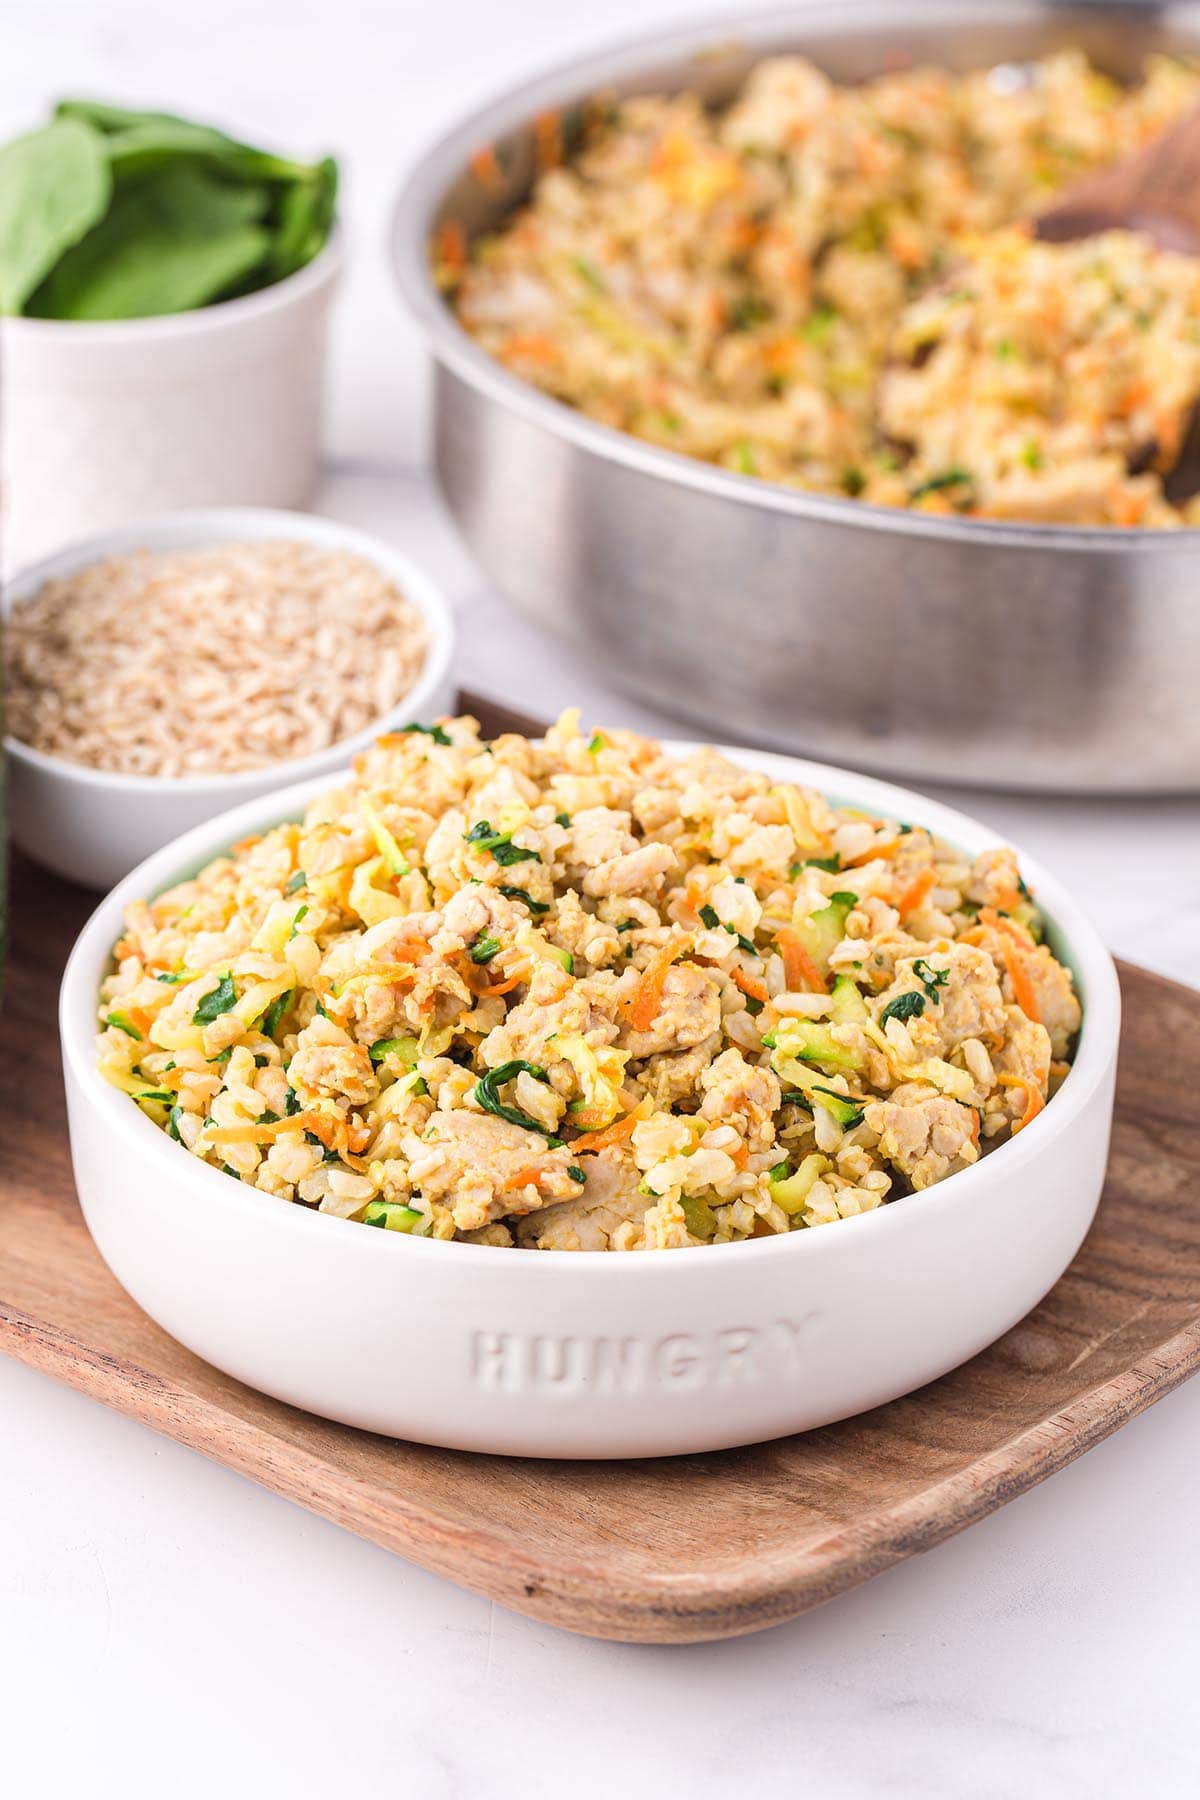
x,y
209,661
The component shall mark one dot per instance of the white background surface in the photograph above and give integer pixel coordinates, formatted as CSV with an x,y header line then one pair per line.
x,y
167,1628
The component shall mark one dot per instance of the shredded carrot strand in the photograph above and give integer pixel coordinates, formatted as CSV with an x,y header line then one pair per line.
x,y
1020,934
263,1132
751,985
917,892
547,137
1023,988
876,853
484,989
527,1177
1034,1102
799,970
604,1140
646,1003
452,244
485,167
533,346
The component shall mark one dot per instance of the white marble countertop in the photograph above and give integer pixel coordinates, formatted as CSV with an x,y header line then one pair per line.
x,y
167,1627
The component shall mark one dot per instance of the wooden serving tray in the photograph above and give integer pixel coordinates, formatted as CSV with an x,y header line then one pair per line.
x,y
678,1549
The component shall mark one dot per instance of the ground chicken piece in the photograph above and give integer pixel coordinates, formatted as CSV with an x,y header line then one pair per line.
x,y
707,768
872,959
740,1094
924,1134
1058,1006
994,878
913,855
598,835
587,939
473,1164
497,1235
673,1080
1054,993
608,1199
641,871
664,1227
968,1005
555,1007
690,1011
475,909
1026,1053
655,807
328,1064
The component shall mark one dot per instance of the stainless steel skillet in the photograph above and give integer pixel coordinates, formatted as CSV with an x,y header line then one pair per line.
x,y
991,654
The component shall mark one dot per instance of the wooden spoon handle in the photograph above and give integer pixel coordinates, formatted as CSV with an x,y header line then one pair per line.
x,y
1157,191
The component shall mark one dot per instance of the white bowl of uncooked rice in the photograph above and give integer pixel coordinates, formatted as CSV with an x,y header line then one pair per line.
x,y
159,674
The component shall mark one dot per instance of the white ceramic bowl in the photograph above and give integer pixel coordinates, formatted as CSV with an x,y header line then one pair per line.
x,y
114,420
578,1354
93,826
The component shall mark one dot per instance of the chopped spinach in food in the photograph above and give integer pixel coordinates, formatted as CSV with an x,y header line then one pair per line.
x,y
222,999
938,484
930,979
563,819
123,1023
435,732
576,1173
296,923
499,844
484,948
536,907
173,1118
909,1005
172,980
110,214
274,1013
487,1096
709,915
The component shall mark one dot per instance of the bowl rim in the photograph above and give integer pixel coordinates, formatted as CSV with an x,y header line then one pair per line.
x,y
140,1137
446,156
320,270
195,528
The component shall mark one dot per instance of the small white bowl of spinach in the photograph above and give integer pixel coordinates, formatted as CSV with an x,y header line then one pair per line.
x,y
164,298
111,214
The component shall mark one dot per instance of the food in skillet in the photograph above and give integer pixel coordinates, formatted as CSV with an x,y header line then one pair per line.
x,y
585,995
754,286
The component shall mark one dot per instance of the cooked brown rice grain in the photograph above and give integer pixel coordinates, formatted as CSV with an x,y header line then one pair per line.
x,y
189,662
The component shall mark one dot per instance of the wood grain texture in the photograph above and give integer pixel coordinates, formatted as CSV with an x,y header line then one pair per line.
x,y
679,1549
